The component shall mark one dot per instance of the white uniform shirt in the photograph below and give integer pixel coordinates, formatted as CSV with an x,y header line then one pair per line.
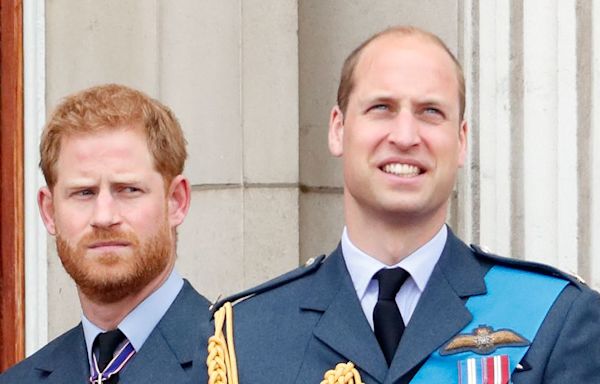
x,y
419,264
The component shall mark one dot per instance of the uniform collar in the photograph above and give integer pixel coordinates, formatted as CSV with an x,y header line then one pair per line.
x,y
362,267
140,322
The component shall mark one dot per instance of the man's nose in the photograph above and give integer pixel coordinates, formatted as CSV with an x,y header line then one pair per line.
x,y
404,131
106,211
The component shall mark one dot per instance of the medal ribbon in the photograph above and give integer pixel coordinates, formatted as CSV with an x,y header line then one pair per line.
x,y
505,306
484,370
115,365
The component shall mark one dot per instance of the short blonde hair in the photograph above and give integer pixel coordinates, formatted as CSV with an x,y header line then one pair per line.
x,y
347,80
112,106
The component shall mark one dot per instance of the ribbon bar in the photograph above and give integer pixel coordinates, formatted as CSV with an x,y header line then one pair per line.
x,y
484,370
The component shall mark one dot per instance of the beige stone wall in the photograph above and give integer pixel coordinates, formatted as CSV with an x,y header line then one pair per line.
x,y
229,70
253,81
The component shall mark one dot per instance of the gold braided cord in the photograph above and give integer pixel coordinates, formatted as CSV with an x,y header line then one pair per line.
x,y
221,361
344,373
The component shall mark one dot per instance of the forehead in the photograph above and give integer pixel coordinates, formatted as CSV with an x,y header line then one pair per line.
x,y
114,149
414,57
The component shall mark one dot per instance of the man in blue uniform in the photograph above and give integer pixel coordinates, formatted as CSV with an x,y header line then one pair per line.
x,y
113,160
402,299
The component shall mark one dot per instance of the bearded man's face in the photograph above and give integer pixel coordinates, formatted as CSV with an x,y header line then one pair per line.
x,y
109,210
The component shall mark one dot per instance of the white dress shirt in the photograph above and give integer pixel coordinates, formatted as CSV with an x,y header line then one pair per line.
x,y
418,264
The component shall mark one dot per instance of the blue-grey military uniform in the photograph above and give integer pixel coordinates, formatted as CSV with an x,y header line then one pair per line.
x,y
296,327
174,352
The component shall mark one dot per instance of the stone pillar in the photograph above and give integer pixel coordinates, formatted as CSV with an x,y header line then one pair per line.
x,y
530,184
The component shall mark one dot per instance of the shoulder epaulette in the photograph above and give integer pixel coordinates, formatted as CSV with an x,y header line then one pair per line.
x,y
527,265
309,267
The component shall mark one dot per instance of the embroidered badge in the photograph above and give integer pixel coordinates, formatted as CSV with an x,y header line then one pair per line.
x,y
483,341
484,370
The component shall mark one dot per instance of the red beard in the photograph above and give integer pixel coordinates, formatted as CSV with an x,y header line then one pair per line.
x,y
110,276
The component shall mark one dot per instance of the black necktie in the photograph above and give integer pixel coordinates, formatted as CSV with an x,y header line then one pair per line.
x,y
107,343
387,320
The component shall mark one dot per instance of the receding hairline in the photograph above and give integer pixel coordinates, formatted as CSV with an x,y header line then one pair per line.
x,y
347,80
402,35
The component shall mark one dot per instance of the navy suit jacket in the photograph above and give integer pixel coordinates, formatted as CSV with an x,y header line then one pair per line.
x,y
296,327
175,351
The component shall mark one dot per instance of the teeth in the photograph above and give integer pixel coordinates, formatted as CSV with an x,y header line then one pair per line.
x,y
404,170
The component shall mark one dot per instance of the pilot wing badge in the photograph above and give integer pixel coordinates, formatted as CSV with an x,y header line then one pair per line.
x,y
483,341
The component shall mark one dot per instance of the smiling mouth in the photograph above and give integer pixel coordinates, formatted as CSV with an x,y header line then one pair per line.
x,y
402,170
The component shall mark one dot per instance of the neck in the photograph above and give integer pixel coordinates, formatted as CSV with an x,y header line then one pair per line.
x,y
391,239
108,316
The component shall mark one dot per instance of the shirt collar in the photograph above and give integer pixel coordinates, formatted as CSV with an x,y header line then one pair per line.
x,y
140,322
362,267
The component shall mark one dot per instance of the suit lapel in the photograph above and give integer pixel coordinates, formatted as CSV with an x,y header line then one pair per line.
x,y
343,326
440,313
67,362
173,351
155,363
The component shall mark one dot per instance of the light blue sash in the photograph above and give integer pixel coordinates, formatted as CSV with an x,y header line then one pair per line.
x,y
516,300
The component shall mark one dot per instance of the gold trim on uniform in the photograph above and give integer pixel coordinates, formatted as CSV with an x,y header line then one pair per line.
x,y
344,373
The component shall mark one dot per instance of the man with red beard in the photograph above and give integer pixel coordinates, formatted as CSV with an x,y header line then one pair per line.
x,y
113,160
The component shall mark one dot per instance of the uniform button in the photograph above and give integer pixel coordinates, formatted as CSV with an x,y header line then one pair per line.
x,y
309,262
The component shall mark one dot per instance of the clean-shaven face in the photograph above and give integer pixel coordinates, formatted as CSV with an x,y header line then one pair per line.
x,y
402,139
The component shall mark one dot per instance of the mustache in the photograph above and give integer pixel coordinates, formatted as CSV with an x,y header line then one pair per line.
x,y
108,235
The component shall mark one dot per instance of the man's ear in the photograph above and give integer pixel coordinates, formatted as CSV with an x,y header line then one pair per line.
x,y
462,142
46,207
336,132
178,199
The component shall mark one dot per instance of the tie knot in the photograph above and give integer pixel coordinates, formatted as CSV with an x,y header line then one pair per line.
x,y
107,343
390,281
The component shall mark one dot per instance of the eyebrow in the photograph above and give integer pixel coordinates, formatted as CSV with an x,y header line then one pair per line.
x,y
382,98
125,179
79,183
83,182
432,100
388,99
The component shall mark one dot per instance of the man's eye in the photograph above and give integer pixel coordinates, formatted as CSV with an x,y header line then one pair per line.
x,y
379,107
433,111
131,190
83,193
433,115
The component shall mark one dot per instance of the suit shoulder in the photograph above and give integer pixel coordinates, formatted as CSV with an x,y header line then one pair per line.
x,y
484,254
190,297
309,268
26,370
